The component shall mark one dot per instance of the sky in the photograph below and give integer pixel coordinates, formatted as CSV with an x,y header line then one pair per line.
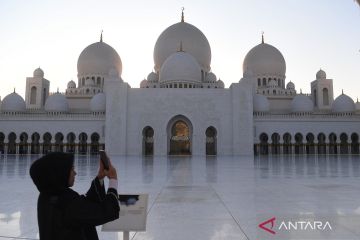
x,y
51,34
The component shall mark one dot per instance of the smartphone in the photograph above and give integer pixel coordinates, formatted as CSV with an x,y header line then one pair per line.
x,y
104,159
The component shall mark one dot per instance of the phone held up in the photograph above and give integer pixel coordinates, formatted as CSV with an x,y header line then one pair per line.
x,y
104,159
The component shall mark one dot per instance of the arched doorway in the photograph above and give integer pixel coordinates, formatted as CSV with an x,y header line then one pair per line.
x,y
287,143
264,145
332,144
344,146
70,142
310,146
95,137
47,142
59,144
275,144
83,143
354,143
179,136
211,141
321,143
23,145
12,143
148,141
2,142
299,146
35,143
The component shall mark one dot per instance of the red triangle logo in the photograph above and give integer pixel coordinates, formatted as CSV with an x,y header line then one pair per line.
x,y
270,221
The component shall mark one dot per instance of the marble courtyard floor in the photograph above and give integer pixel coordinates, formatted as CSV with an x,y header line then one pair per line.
x,y
209,198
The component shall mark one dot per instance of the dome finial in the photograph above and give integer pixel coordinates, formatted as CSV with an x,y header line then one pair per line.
x,y
262,37
101,35
14,90
342,91
357,99
57,90
182,14
300,91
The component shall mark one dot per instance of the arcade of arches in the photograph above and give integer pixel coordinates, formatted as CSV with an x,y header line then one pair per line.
x,y
307,144
34,143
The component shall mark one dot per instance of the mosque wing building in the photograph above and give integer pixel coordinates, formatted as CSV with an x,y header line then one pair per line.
x,y
181,108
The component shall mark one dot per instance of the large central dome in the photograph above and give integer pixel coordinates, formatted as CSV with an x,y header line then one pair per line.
x,y
265,60
193,42
98,59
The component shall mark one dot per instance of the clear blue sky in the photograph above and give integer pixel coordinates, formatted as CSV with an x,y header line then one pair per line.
x,y
51,34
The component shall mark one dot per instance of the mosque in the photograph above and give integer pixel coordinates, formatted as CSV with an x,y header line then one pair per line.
x,y
182,108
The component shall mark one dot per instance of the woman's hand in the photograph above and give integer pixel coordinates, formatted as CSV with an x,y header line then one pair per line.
x,y
101,173
111,173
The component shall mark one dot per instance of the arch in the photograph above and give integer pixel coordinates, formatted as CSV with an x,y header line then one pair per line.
x,y
47,142
70,145
310,145
12,143
179,133
23,145
354,143
344,145
83,143
332,143
59,142
35,143
95,145
264,146
211,141
299,146
325,96
275,143
33,95
148,141
2,143
287,143
321,143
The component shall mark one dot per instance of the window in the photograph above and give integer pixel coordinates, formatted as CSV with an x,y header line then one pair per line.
x,y
33,95
325,96
264,82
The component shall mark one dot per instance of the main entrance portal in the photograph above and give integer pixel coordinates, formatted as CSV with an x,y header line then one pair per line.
x,y
180,139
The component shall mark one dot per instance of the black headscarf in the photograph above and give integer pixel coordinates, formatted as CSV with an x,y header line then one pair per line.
x,y
51,172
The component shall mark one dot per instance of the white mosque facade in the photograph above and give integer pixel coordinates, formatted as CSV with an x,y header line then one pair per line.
x,y
182,108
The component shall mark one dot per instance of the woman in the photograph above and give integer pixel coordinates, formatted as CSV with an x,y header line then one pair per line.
x,y
62,212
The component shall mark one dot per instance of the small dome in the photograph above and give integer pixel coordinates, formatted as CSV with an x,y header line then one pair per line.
x,y
220,84
211,77
56,102
357,105
38,73
260,103
153,77
290,86
98,103
265,60
321,74
98,59
89,82
192,39
302,103
13,103
180,66
343,103
272,84
143,83
71,84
